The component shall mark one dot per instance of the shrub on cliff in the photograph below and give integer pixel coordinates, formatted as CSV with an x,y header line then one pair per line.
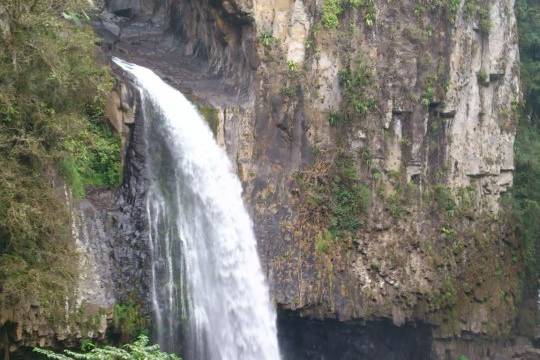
x,y
335,198
332,11
139,350
51,101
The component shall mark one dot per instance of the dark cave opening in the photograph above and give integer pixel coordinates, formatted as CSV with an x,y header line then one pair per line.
x,y
303,338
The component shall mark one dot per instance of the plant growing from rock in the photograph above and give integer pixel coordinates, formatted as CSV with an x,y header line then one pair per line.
x,y
293,66
444,199
267,39
484,20
211,115
334,118
324,241
332,11
483,78
429,93
479,10
127,319
335,198
354,81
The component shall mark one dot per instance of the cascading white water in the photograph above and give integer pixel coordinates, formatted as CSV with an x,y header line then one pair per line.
x,y
206,275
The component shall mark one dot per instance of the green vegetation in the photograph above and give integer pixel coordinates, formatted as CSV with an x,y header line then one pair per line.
x,y
334,118
354,82
369,8
444,199
138,350
484,20
333,9
395,204
436,84
211,115
288,91
417,33
526,192
450,6
325,239
478,9
453,6
51,104
483,78
349,198
470,7
524,202
92,159
267,39
127,319
452,204
292,66
447,296
401,198
429,93
336,199
528,12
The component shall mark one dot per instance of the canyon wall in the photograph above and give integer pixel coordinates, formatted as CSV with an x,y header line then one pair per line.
x,y
374,140
408,108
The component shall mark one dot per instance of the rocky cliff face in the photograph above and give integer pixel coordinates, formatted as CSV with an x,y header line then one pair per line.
x,y
109,232
87,311
407,108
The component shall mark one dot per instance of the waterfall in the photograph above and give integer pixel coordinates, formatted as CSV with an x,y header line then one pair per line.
x,y
207,281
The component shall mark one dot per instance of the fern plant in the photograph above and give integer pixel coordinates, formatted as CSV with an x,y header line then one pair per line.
x,y
138,350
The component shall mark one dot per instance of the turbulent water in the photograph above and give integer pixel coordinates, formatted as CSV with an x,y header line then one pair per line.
x,y
207,282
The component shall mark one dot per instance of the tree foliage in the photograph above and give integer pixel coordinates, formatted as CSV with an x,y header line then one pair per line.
x,y
526,193
51,104
138,350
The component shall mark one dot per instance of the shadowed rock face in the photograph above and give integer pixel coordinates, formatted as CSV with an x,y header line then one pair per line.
x,y
205,48
302,338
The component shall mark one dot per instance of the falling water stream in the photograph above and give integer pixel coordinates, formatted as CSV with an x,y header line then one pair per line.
x,y
207,284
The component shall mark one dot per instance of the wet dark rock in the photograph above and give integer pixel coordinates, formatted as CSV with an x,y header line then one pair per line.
x,y
123,7
305,339
111,27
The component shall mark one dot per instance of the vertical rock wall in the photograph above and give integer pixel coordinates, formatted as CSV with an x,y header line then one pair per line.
x,y
441,88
